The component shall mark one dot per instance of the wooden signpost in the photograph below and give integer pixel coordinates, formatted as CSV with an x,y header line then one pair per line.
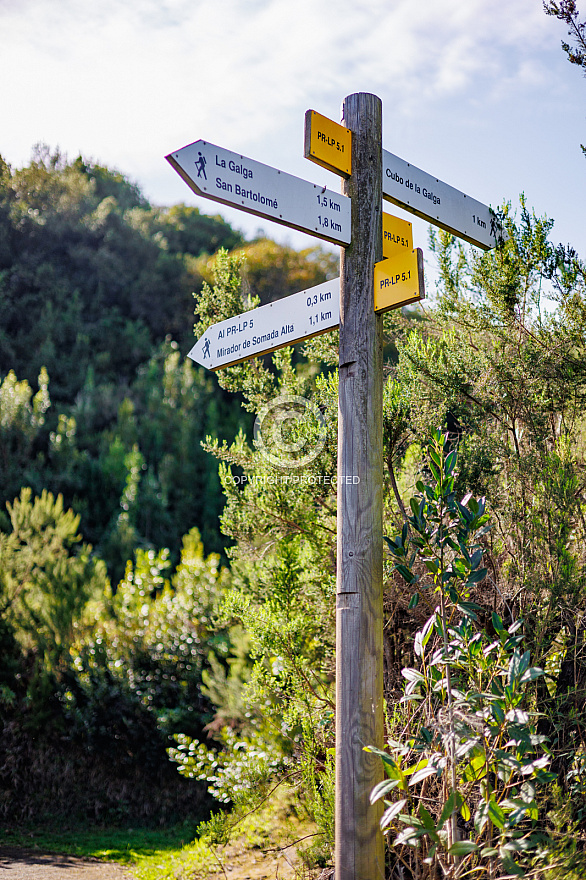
x,y
359,848
379,270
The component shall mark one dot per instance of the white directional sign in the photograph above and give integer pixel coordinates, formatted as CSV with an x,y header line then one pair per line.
x,y
269,327
234,180
427,197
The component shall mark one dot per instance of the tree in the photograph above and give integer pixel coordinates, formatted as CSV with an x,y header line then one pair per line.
x,y
91,275
47,577
271,271
567,11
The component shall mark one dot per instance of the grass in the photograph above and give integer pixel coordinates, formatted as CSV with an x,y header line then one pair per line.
x,y
152,854
174,853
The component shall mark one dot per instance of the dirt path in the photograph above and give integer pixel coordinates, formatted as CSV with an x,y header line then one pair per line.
x,y
27,864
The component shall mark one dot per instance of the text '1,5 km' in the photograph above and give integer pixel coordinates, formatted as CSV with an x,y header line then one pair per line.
x,y
248,185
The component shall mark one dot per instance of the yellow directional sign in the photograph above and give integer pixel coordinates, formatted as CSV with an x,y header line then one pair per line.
x,y
397,236
399,281
328,143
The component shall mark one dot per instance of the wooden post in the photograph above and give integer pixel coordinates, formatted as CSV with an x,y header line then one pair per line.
x,y
359,613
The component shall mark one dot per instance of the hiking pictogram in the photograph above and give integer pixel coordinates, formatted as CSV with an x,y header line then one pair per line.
x,y
201,166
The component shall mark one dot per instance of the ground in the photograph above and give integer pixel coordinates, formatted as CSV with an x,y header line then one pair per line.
x,y
237,863
264,846
29,864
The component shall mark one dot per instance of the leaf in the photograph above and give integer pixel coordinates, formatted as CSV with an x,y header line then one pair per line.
x,y
465,811
389,814
531,674
426,818
393,546
518,810
406,573
427,630
412,674
495,814
451,462
524,662
422,774
414,600
447,811
497,712
417,645
464,513
514,667
476,769
497,623
435,457
460,567
467,609
517,716
481,816
389,762
510,866
466,747
476,576
434,471
530,767
382,788
409,836
462,848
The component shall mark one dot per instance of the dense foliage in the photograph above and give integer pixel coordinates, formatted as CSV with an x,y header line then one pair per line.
x,y
121,639
498,362
106,639
96,312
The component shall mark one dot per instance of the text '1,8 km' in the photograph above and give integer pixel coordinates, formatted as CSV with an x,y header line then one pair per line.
x,y
250,186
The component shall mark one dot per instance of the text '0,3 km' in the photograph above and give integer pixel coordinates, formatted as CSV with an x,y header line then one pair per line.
x,y
227,177
258,331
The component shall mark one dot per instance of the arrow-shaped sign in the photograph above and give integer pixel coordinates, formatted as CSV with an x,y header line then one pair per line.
x,y
441,204
270,327
219,174
399,281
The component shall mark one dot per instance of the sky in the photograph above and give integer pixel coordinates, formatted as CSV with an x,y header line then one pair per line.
x,y
476,92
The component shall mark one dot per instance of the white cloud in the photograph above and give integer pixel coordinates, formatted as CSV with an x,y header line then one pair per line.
x,y
99,74
125,83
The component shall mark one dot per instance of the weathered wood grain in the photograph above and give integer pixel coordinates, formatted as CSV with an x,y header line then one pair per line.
x,y
359,648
